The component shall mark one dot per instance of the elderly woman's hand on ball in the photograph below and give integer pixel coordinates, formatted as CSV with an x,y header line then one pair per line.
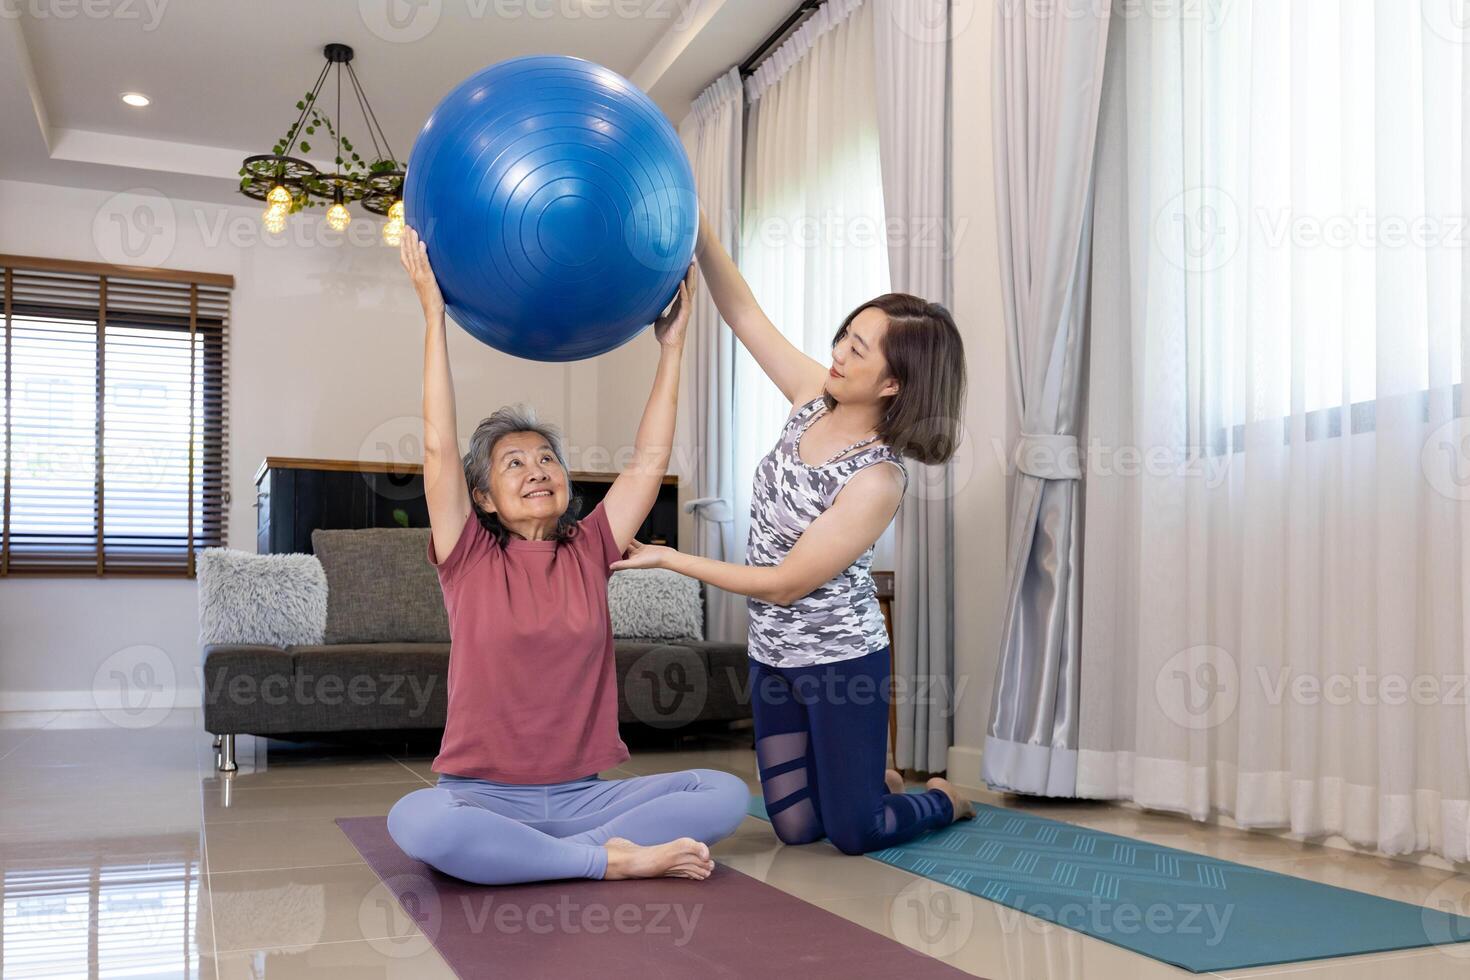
x,y
414,255
669,328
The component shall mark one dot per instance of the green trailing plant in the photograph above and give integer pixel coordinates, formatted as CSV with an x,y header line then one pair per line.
x,y
350,161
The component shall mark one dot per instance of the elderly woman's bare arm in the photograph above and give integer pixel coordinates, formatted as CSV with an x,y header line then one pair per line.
x,y
444,485
633,493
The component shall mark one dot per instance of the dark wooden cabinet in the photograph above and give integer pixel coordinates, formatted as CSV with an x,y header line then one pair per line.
x,y
294,497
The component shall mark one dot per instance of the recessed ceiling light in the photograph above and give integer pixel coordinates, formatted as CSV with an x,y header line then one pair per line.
x,y
137,99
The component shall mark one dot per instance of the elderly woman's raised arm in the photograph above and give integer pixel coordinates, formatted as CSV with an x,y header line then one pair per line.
x,y
633,493
444,483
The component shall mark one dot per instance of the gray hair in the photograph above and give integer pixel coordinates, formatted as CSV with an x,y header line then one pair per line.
x,y
499,424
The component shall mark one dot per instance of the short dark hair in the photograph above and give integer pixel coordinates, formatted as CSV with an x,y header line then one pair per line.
x,y
926,357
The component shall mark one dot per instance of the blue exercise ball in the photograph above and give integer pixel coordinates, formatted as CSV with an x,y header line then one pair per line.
x,y
557,204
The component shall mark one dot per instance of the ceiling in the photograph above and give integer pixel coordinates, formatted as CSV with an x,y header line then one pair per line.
x,y
224,77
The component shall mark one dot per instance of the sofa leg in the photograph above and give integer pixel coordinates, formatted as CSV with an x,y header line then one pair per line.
x,y
227,754
216,740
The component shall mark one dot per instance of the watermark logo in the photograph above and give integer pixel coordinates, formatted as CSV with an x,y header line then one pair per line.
x,y
650,225
1446,917
149,13
932,918
400,916
1449,19
135,227
667,687
1199,229
397,444
1445,459
1198,688
400,21
932,21
135,687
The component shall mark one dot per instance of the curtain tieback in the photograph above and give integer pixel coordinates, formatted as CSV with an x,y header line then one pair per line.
x,y
1048,457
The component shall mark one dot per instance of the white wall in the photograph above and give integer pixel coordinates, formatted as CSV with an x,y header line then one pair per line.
x,y
325,361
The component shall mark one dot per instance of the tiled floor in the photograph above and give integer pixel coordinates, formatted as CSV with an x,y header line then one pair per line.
x,y
124,853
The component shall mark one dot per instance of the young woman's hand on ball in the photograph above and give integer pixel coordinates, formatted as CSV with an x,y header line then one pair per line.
x,y
669,328
414,255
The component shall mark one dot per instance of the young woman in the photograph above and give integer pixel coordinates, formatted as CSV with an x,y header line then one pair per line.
x,y
822,497
532,713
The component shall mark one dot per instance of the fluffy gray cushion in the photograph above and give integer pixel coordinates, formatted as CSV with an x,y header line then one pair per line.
x,y
381,587
655,604
277,600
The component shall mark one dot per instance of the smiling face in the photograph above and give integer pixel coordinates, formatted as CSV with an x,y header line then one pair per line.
x,y
859,373
528,485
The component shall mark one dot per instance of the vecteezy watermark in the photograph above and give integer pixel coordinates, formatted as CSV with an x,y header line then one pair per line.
x,y
1199,229
135,687
398,444
1446,917
1362,686
1099,459
1449,19
932,21
147,13
667,687
1445,459
406,21
1212,14
932,918
838,230
135,227
1198,688
401,916
303,688
1103,918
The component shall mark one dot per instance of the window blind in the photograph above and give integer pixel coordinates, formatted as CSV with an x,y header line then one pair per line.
x,y
115,402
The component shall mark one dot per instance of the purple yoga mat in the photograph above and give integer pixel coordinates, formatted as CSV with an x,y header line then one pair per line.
x,y
729,925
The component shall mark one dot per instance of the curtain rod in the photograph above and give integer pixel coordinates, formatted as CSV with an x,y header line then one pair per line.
x,y
803,10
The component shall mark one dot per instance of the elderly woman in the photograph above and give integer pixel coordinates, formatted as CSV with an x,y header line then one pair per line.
x,y
532,714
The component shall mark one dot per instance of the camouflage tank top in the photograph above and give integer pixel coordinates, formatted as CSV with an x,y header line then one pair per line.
x,y
840,619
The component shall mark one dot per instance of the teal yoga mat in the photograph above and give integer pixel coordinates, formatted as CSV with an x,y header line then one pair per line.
x,y
1196,912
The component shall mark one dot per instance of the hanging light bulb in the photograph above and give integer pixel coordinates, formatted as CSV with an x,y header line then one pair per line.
x,y
274,219
393,229
279,195
337,214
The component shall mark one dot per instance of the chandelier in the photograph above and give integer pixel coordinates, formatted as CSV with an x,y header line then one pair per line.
x,y
288,184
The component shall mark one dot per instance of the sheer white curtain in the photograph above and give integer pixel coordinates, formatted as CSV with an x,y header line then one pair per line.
x,y
1275,580
812,244
713,137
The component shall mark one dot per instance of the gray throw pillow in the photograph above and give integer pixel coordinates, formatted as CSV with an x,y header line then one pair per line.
x,y
275,600
381,587
655,604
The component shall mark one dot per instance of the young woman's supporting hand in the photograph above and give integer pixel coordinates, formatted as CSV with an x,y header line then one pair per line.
x,y
799,377
444,485
854,522
633,493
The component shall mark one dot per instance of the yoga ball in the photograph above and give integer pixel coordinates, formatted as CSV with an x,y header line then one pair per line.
x,y
557,204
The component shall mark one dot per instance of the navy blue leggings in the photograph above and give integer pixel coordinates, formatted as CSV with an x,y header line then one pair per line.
x,y
821,735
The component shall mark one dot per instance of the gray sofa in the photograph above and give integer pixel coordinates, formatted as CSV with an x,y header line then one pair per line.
x,y
383,661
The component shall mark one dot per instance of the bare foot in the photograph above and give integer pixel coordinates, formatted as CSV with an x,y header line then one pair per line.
x,y
893,779
962,808
682,858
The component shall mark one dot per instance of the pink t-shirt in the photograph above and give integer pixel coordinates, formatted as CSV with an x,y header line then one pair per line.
x,y
532,690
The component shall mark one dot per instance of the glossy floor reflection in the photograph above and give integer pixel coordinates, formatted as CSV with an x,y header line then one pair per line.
x,y
125,854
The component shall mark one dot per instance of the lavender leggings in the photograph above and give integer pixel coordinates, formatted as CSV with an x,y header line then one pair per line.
x,y
503,833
